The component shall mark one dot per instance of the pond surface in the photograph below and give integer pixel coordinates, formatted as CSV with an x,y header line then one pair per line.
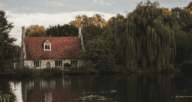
x,y
101,88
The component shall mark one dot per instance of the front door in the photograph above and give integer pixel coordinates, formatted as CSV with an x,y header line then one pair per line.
x,y
48,65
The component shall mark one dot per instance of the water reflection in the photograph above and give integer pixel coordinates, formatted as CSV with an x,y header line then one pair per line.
x,y
109,88
15,88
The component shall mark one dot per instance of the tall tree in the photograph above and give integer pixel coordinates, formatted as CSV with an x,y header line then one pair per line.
x,y
35,31
150,39
183,34
99,53
117,26
92,27
5,47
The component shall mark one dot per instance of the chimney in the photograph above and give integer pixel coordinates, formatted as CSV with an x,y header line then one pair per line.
x,y
80,36
23,52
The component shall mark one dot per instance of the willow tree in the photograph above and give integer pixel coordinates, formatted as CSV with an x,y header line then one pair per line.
x,y
150,39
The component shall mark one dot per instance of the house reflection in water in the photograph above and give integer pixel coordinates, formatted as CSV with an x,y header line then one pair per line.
x,y
47,91
57,90
16,90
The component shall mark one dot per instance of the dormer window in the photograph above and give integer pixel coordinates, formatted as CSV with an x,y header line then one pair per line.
x,y
47,46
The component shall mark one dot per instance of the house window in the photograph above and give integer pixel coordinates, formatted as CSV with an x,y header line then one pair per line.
x,y
58,63
37,63
47,47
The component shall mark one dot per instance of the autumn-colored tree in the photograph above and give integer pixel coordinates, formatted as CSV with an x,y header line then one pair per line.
x,y
189,7
35,31
83,21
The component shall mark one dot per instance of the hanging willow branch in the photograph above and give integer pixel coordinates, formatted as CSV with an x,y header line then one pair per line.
x,y
150,42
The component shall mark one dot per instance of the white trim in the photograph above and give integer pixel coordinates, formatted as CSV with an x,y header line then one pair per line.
x,y
49,44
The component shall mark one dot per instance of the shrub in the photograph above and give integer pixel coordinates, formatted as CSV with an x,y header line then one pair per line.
x,y
67,65
25,71
51,71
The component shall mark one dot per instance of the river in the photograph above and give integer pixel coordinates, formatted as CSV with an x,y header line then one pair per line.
x,y
151,87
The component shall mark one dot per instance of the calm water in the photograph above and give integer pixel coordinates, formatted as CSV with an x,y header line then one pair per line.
x,y
101,88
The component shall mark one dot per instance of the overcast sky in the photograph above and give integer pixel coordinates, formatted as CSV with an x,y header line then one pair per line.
x,y
54,12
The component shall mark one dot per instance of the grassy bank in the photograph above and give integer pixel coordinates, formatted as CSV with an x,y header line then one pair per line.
x,y
50,72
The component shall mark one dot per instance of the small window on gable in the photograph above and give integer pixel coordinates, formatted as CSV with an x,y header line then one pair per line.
x,y
47,46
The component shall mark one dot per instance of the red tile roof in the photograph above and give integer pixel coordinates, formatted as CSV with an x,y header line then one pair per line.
x,y
61,47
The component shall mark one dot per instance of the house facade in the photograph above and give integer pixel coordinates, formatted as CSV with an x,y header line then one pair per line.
x,y
50,52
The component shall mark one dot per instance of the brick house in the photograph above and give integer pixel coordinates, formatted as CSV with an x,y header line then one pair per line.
x,y
50,52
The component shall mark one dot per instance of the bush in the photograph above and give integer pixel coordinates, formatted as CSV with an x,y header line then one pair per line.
x,y
67,65
26,71
51,71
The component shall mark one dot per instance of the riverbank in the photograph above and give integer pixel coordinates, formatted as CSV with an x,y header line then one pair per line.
x,y
50,72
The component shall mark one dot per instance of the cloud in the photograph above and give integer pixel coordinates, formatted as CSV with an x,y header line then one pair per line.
x,y
58,4
101,2
1,5
42,19
95,1
108,4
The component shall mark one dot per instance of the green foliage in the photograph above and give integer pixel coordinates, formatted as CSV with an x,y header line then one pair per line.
x,y
67,65
98,52
115,34
26,71
48,72
149,40
183,34
6,51
91,32
64,30
183,19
